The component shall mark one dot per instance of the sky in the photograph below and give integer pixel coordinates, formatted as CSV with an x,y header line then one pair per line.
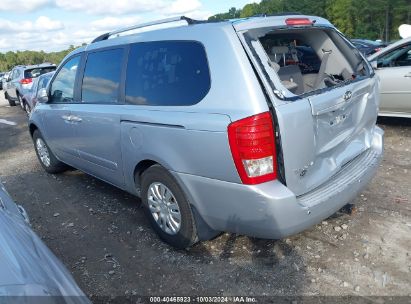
x,y
53,25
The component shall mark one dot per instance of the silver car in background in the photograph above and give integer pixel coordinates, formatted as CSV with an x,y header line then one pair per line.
x,y
3,80
29,99
20,80
393,66
218,126
28,268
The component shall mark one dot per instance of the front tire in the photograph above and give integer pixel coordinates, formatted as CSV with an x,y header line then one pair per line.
x,y
20,100
27,108
46,157
167,208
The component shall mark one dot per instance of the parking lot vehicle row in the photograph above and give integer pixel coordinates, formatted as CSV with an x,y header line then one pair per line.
x,y
20,80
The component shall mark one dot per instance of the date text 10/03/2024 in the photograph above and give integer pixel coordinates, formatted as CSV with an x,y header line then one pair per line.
x,y
199,299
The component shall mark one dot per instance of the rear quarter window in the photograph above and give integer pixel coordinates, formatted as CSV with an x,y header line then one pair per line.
x,y
167,73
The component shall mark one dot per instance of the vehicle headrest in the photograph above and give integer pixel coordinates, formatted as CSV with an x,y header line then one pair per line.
x,y
279,50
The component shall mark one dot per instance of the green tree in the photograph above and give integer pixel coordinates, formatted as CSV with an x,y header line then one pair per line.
x,y
11,59
371,19
249,10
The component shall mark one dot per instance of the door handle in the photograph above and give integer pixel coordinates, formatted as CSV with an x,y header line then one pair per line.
x,y
408,75
75,119
66,117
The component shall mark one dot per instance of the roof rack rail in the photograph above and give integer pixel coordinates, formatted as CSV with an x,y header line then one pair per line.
x,y
151,23
277,14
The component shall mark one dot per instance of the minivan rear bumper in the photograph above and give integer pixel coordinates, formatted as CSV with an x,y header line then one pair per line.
x,y
270,210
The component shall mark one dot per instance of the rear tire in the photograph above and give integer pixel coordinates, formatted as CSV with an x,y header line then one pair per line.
x,y
167,208
12,103
46,157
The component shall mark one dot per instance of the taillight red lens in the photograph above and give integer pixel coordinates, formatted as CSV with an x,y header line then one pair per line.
x,y
298,21
26,80
252,145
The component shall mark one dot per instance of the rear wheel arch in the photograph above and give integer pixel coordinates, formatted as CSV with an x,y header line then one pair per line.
x,y
140,168
204,231
157,207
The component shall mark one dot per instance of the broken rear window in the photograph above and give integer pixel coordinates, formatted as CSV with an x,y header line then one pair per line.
x,y
307,59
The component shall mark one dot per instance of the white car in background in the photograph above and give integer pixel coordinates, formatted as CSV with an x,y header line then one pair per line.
x,y
393,65
3,80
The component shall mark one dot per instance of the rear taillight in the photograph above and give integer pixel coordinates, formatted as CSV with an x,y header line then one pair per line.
x,y
298,21
26,80
252,145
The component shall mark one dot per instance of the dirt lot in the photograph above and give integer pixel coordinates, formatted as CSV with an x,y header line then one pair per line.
x,y
101,235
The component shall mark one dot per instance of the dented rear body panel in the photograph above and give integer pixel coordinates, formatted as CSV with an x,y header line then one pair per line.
x,y
322,133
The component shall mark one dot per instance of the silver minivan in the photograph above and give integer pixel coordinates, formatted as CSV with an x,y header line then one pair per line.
x,y
261,126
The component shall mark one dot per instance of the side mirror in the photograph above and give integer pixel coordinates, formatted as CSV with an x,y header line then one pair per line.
x,y
374,64
42,96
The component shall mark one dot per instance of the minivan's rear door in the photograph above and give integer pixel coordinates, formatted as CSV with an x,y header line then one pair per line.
x,y
321,131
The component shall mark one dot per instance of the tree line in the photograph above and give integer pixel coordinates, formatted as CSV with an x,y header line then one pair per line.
x,y
366,19
11,59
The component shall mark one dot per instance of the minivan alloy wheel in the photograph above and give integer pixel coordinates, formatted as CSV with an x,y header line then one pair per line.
x,y
164,208
43,152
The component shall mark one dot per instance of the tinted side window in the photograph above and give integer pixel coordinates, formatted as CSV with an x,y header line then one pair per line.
x,y
102,75
167,73
62,88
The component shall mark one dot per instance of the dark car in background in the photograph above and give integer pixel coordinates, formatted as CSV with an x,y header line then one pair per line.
x,y
30,98
368,47
21,79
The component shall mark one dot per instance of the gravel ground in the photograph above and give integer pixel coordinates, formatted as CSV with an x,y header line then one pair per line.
x,y
102,236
